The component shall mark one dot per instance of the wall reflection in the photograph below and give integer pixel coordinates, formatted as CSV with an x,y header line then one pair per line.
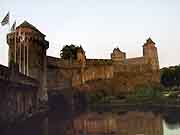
x,y
130,123
91,123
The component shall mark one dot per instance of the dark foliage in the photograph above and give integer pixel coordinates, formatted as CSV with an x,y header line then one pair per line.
x,y
170,77
69,52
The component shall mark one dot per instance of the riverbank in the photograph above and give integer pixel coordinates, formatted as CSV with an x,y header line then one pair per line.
x,y
118,105
135,105
142,97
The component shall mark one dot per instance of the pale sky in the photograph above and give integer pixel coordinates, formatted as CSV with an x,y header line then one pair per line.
x,y
100,25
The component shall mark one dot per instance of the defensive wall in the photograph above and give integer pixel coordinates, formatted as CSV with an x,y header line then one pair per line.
x,y
122,75
18,94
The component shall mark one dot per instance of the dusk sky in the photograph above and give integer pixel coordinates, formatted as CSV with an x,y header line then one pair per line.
x,y
100,25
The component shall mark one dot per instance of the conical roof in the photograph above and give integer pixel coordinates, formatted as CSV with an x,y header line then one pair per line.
x,y
117,50
26,24
149,41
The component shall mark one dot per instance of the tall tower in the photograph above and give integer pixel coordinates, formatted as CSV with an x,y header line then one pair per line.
x,y
27,50
150,54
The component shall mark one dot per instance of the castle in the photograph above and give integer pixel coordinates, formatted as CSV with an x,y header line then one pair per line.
x,y
27,49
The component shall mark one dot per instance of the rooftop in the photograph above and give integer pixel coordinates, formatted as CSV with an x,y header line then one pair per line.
x,y
26,24
149,41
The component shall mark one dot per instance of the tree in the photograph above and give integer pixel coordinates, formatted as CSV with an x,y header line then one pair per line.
x,y
168,77
177,75
69,52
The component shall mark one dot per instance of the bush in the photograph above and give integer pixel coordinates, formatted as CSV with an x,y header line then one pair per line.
x,y
145,93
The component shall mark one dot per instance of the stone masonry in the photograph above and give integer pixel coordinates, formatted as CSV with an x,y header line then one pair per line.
x,y
18,94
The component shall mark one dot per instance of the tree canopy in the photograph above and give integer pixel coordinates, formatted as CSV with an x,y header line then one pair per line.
x,y
170,77
69,51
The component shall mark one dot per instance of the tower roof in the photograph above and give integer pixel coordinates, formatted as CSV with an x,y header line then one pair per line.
x,y
80,49
149,41
26,24
117,50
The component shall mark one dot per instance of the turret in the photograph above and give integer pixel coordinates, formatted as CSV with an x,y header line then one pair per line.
x,y
150,54
118,55
81,57
27,49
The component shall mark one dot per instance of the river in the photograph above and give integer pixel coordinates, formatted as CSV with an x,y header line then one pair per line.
x,y
99,123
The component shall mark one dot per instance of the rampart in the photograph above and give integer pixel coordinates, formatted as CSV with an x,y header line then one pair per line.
x,y
17,94
12,75
122,76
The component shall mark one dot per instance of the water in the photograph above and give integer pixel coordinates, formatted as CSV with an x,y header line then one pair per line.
x,y
100,123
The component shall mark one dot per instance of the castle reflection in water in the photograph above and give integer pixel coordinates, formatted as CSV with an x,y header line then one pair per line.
x,y
130,123
102,123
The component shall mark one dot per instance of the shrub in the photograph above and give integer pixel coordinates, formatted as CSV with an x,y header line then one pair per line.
x,y
145,93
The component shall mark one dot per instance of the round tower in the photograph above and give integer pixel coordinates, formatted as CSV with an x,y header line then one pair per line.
x,y
118,55
27,50
81,57
150,54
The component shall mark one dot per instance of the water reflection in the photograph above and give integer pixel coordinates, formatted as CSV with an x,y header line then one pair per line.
x,y
130,123
94,123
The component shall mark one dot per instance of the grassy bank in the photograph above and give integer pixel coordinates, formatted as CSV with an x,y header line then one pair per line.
x,y
140,97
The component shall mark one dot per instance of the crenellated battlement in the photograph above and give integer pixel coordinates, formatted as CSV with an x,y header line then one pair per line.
x,y
98,62
26,37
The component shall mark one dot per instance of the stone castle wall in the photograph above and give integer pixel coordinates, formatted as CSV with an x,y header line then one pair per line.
x,y
96,72
123,76
12,75
18,94
130,71
59,71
